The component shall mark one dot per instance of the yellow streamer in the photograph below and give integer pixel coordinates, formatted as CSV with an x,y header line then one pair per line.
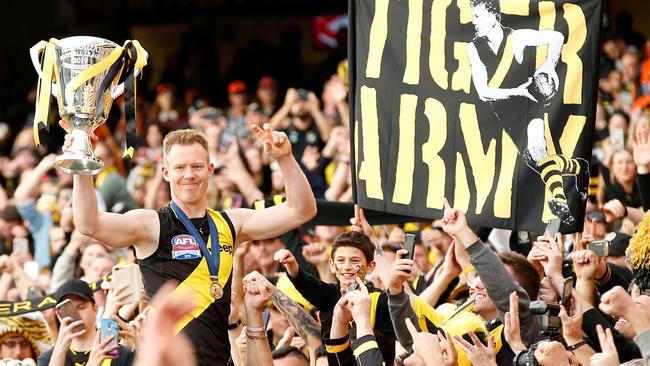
x,y
94,70
44,90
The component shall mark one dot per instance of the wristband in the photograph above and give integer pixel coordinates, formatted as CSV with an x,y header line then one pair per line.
x,y
256,337
468,269
255,330
624,212
575,346
234,325
603,280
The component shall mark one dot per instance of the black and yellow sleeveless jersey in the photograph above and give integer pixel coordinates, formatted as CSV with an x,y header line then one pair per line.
x,y
179,258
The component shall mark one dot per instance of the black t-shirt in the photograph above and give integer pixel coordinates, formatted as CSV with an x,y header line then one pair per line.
x,y
613,190
125,358
179,258
301,139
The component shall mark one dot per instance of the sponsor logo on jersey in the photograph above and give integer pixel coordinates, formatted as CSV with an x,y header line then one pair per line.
x,y
185,247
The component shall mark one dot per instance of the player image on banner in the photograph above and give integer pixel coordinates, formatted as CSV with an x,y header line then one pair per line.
x,y
501,60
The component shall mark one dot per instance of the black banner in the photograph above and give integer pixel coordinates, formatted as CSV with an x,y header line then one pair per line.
x,y
488,103
10,308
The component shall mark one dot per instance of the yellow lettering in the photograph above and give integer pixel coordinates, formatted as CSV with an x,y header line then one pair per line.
x,y
406,150
46,301
515,7
413,43
483,164
437,116
576,39
546,21
461,188
437,44
378,37
465,11
5,308
23,305
370,166
462,78
503,194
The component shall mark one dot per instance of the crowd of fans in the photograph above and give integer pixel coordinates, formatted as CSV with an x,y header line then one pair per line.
x,y
334,295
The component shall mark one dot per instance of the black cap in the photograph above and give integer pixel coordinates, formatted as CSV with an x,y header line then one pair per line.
x,y
618,245
74,287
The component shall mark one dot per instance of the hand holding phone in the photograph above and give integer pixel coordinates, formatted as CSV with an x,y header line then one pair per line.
x,y
66,309
600,247
109,327
567,300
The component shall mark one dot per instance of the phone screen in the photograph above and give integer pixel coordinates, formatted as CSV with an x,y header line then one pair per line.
x,y
409,245
566,294
553,227
109,328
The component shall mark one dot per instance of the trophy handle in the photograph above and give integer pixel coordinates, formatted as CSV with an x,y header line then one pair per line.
x,y
35,53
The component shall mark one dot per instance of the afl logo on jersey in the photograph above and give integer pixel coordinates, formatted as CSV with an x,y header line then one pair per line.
x,y
185,247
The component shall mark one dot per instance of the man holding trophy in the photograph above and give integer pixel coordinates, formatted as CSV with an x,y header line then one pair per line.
x,y
184,241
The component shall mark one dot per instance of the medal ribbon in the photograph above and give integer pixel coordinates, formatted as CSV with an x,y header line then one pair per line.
x,y
212,257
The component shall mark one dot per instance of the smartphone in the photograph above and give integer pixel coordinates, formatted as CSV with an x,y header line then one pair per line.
x,y
600,247
303,94
266,316
20,245
34,292
129,276
409,245
566,299
553,227
66,309
618,137
109,327
31,269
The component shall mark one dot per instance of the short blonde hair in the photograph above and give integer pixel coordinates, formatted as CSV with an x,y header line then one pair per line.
x,y
184,137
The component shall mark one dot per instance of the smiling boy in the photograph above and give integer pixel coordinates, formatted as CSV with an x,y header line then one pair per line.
x,y
352,256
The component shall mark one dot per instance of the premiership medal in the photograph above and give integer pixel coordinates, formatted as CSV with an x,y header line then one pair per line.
x,y
216,290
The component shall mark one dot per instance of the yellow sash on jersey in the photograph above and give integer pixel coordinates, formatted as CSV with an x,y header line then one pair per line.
x,y
197,283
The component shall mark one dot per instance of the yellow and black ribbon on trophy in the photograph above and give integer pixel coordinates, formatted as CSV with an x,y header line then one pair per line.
x,y
11,308
127,59
44,89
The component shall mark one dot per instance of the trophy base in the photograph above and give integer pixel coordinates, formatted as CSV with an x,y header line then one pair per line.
x,y
79,164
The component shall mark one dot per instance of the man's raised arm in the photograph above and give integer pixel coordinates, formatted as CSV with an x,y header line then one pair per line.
x,y
300,205
138,227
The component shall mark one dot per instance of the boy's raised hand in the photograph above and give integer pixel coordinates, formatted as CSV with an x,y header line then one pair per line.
x,y
286,258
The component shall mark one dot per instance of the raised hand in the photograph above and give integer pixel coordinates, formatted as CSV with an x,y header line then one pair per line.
x,y
478,354
285,257
276,144
642,150
609,354
572,324
454,223
426,345
613,210
315,253
400,272
588,265
258,291
512,329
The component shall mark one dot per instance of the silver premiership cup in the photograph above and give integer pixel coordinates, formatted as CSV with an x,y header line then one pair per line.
x,y
84,79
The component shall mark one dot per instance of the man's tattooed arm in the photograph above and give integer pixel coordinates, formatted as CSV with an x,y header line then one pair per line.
x,y
306,327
